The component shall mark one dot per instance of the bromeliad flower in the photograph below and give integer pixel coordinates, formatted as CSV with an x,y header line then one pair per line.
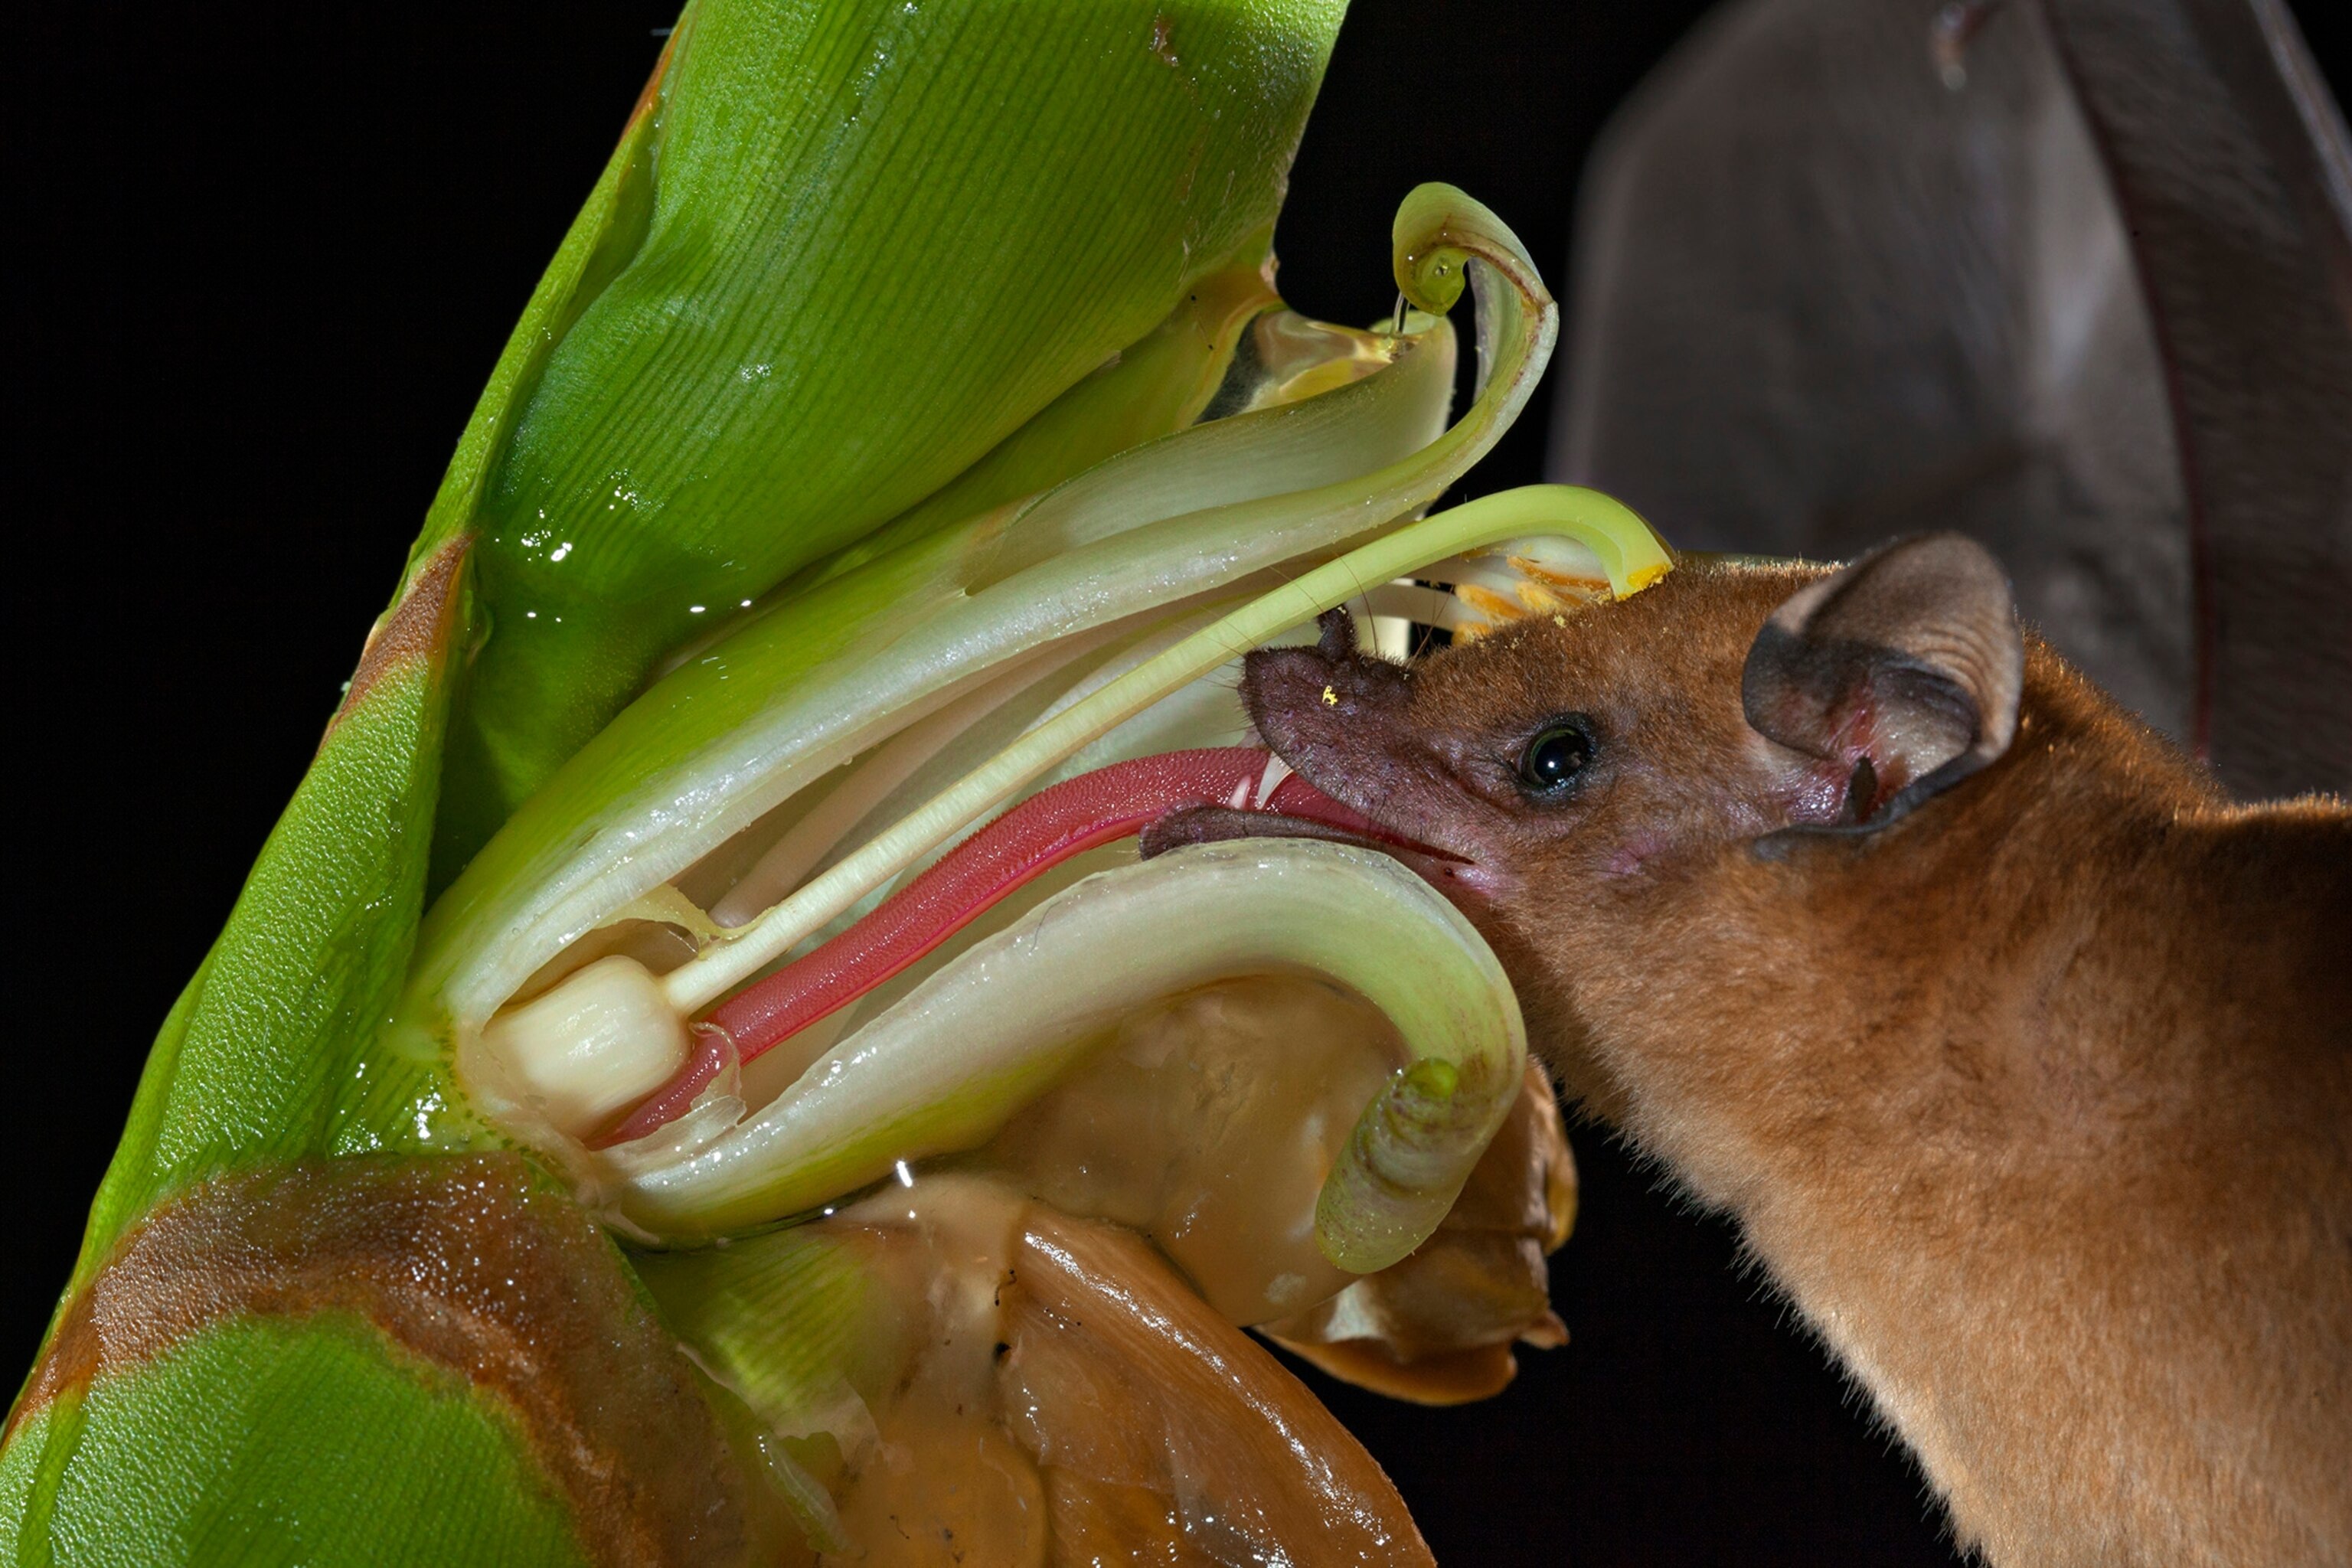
x,y
701,1069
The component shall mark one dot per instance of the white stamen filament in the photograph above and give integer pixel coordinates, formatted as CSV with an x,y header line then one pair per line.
x,y
792,857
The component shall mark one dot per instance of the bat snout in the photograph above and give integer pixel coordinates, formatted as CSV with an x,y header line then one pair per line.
x,y
1278,686
1329,712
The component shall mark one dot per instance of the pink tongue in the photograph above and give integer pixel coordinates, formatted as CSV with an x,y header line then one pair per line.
x,y
1039,834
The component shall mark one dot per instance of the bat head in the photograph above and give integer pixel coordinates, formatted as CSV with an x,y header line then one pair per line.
x,y
1573,768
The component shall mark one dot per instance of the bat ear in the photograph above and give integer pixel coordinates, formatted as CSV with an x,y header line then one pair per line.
x,y
1906,666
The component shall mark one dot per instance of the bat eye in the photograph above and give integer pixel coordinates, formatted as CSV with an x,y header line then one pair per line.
x,y
1556,756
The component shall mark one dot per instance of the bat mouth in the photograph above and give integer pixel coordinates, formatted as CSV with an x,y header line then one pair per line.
x,y
1297,807
1216,825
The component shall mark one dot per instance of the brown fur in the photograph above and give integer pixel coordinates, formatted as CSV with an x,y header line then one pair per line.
x,y
2036,1101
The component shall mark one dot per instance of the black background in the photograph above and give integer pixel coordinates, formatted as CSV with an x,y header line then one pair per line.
x,y
268,254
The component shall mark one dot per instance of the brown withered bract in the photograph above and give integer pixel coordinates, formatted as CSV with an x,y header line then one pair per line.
x,y
2023,1057
468,1266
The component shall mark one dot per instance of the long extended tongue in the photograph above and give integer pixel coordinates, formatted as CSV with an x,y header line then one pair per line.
x,y
1039,834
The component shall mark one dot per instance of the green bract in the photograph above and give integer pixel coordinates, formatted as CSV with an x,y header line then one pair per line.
x,y
843,251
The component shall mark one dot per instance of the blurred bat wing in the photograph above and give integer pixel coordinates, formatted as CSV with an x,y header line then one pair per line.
x,y
2074,278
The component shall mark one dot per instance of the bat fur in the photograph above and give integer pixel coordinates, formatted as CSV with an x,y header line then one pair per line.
x,y
2021,1055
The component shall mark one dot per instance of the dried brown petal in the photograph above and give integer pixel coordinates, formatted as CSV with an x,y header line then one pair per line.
x,y
1438,1327
1120,1376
